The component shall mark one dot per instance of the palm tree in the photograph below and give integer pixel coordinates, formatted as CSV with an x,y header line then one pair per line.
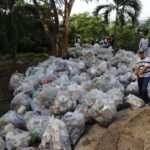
x,y
125,10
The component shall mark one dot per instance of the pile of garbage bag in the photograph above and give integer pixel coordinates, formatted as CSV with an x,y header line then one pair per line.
x,y
55,100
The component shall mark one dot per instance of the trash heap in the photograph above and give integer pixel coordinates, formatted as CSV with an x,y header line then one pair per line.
x,y
56,100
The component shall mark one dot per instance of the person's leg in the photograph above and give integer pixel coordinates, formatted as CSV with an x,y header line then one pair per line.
x,y
144,89
140,80
146,52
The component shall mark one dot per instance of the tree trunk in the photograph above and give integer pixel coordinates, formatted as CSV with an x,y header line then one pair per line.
x,y
67,11
65,33
115,30
50,36
59,40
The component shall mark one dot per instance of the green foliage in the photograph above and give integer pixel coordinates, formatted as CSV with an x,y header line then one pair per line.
x,y
20,2
88,27
145,27
21,32
148,23
127,38
4,42
125,10
91,28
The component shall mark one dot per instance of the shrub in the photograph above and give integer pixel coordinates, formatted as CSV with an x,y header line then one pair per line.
x,y
127,38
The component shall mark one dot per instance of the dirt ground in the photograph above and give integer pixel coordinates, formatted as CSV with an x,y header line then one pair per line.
x,y
131,131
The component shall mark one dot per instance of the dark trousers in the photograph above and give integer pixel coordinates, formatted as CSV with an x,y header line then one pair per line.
x,y
143,83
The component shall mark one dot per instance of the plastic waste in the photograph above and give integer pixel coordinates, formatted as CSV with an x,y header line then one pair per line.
x,y
75,122
56,136
135,101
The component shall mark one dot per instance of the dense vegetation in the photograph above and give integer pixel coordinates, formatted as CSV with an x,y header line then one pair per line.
x,y
87,26
91,28
35,24
43,26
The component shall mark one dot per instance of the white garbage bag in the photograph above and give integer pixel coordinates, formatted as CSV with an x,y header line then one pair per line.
x,y
135,101
75,122
102,113
44,98
17,138
132,88
19,100
56,136
107,82
116,95
63,103
13,118
37,124
16,80
101,107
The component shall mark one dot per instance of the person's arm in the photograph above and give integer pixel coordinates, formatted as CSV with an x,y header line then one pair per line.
x,y
136,70
140,43
145,68
147,43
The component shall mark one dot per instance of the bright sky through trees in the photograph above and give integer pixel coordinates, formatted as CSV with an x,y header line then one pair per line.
x,y
81,7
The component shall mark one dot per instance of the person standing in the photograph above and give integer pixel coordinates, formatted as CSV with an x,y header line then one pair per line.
x,y
143,44
78,42
142,70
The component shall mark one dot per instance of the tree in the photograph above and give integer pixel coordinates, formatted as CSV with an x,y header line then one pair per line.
x,y
58,14
51,15
145,27
7,7
125,10
147,23
59,11
88,27
128,38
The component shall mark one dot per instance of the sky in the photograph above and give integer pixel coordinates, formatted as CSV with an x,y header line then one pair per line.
x,y
81,7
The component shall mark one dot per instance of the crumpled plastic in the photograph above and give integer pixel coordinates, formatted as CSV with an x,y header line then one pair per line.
x,y
63,103
56,136
15,80
75,122
13,118
135,101
88,86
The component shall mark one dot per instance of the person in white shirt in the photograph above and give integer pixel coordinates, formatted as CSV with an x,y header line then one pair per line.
x,y
142,70
77,42
143,44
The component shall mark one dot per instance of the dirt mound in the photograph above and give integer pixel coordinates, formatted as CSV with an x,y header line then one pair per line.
x,y
131,132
